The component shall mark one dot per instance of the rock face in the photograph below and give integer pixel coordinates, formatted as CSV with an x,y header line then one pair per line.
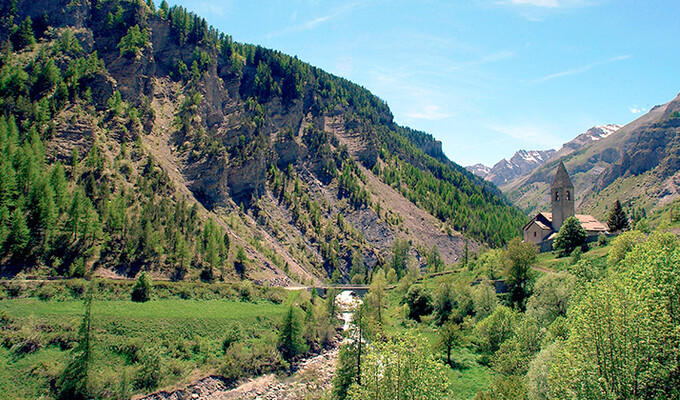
x,y
305,171
313,376
591,135
479,170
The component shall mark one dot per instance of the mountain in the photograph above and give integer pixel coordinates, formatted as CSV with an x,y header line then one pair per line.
x,y
591,135
524,162
479,170
134,138
636,163
520,164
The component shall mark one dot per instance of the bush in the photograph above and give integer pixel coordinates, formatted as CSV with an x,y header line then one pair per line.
x,y
602,240
233,335
150,369
418,301
141,292
45,292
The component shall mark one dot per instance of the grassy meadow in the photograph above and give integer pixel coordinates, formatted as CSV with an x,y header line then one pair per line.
x,y
136,347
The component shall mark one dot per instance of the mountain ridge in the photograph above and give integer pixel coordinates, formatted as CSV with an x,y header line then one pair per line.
x,y
635,164
277,171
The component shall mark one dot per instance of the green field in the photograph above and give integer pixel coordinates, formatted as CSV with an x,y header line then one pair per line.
x,y
180,338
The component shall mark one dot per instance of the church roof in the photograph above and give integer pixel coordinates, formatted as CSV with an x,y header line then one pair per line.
x,y
561,178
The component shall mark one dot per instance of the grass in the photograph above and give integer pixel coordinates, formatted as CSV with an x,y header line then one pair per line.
x,y
550,260
186,335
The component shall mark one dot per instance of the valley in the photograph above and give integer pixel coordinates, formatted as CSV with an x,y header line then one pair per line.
x,y
179,211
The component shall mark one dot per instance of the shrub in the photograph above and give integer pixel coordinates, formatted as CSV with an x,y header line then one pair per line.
x,y
150,369
141,292
233,335
418,301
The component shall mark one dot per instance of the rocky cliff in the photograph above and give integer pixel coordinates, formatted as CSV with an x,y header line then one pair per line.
x,y
304,172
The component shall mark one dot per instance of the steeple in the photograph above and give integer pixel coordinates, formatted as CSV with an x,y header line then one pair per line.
x,y
562,193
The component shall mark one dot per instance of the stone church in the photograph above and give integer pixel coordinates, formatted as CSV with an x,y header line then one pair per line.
x,y
544,226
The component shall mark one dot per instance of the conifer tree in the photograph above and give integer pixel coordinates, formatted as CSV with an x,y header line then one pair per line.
x,y
24,35
618,220
19,235
74,382
291,343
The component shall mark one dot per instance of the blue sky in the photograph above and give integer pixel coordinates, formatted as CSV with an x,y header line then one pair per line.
x,y
486,77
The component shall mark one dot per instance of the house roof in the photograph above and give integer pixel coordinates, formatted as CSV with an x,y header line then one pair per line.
x,y
543,226
562,179
589,223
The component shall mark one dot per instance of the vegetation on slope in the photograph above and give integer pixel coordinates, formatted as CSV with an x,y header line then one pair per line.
x,y
77,105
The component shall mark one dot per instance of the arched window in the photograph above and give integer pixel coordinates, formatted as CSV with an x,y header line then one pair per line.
x,y
534,233
557,196
568,195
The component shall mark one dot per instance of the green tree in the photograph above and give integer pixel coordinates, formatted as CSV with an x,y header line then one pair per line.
x,y
450,337
551,297
134,42
74,381
19,234
401,368
419,302
346,371
141,292
624,341
617,220
290,342
570,236
376,298
495,329
622,245
23,35
399,260
518,259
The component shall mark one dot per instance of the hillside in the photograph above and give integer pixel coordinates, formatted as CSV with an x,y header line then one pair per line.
x,y
136,138
636,164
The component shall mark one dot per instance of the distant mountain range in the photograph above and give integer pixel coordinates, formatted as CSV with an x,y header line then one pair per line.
x,y
637,163
526,161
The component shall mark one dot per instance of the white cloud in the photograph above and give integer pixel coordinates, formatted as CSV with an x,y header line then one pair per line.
x,y
430,112
316,22
534,136
577,71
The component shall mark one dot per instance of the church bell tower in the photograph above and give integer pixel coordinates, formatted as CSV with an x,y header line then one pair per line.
x,y
562,194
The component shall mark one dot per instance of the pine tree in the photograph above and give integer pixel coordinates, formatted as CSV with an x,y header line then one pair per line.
x,y
291,343
73,383
141,292
23,35
19,235
618,220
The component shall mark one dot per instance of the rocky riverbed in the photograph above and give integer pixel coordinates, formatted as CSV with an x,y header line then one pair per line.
x,y
312,378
